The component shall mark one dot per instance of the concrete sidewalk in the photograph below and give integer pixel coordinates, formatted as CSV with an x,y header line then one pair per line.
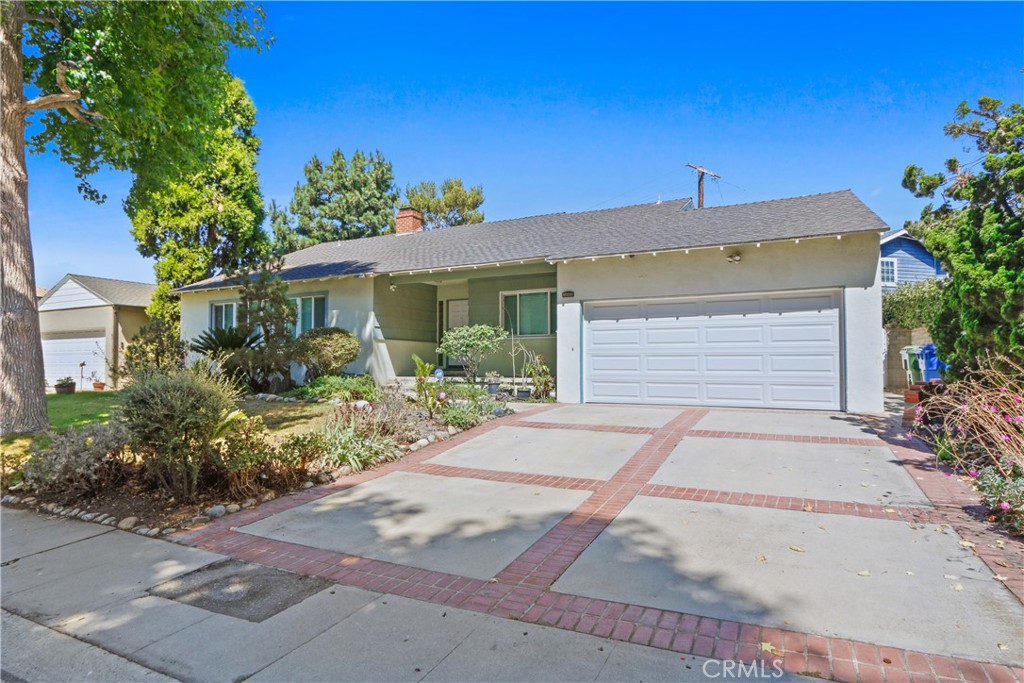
x,y
77,606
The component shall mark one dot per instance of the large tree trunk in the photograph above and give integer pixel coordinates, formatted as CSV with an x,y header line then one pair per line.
x,y
22,383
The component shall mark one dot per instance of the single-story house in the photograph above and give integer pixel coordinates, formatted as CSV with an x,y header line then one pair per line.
x,y
86,319
905,260
772,304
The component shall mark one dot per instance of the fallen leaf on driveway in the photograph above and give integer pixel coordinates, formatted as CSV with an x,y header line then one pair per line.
x,y
1000,577
910,573
864,573
1003,564
797,549
1002,646
966,544
958,587
951,577
762,558
865,484
808,507
889,511
1000,544
770,649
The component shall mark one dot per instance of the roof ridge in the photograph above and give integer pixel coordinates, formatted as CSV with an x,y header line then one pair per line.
x,y
779,199
112,279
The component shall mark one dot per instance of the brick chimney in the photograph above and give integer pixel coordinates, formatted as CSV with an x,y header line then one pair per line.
x,y
408,221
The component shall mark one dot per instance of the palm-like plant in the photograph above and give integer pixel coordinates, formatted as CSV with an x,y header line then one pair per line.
x,y
224,340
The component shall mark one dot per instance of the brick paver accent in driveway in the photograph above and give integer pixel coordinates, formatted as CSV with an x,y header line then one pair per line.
x,y
522,590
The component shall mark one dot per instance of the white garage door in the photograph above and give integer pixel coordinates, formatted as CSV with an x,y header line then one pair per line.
x,y
775,351
62,356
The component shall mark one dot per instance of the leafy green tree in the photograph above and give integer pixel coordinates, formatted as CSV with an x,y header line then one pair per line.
x,y
471,345
977,233
131,85
455,205
344,199
913,305
206,222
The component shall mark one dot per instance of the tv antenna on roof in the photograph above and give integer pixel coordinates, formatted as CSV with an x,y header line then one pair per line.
x,y
701,172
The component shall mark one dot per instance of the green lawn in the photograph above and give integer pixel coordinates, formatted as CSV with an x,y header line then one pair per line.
x,y
66,410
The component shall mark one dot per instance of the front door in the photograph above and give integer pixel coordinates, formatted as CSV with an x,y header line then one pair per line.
x,y
457,315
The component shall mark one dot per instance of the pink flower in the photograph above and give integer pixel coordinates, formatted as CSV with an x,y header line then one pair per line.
x,y
1017,399
918,409
973,473
908,436
964,407
1004,505
1002,390
1005,437
948,474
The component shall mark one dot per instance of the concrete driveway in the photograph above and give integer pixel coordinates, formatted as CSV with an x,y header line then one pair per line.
x,y
802,539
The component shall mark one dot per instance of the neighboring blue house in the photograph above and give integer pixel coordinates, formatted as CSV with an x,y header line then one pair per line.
x,y
905,260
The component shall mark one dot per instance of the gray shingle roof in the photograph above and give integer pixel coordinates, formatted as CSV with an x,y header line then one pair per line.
x,y
631,229
117,292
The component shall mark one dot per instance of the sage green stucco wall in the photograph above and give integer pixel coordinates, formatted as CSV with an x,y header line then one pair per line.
x,y
407,314
485,307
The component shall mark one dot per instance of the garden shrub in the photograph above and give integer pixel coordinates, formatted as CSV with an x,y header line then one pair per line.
x,y
912,305
297,454
156,346
353,440
977,426
1004,495
248,457
228,348
344,387
540,374
460,415
430,393
464,391
326,351
80,461
174,418
471,345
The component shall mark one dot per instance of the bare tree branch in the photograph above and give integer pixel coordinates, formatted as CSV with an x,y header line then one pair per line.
x,y
44,19
67,99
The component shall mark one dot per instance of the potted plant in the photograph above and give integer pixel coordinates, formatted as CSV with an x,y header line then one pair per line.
x,y
97,383
64,385
493,381
518,349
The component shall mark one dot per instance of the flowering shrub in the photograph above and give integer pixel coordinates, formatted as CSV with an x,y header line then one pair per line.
x,y
977,426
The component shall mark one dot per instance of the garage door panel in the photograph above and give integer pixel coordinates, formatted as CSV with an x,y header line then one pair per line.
x,y
615,337
680,363
804,395
624,363
803,364
778,351
806,333
673,336
615,312
673,391
734,335
733,364
673,310
733,307
610,390
801,304
746,393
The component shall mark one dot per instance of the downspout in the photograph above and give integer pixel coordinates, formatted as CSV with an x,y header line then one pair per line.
x,y
112,375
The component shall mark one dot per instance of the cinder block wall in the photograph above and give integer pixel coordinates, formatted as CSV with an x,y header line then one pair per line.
x,y
895,375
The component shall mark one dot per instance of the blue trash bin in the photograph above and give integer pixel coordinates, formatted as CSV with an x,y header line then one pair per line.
x,y
931,366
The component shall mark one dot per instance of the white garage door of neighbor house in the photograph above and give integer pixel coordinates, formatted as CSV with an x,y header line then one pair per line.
x,y
62,356
771,351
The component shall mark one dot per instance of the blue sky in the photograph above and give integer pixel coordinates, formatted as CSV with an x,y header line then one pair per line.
x,y
577,106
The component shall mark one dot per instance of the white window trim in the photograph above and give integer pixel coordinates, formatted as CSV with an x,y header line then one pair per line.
x,y
510,292
895,270
234,312
298,309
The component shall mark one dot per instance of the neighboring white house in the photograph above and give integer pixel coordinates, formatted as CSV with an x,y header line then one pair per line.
x,y
87,320
771,304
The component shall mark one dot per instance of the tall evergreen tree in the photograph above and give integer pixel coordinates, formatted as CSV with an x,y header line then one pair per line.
x,y
454,205
344,199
